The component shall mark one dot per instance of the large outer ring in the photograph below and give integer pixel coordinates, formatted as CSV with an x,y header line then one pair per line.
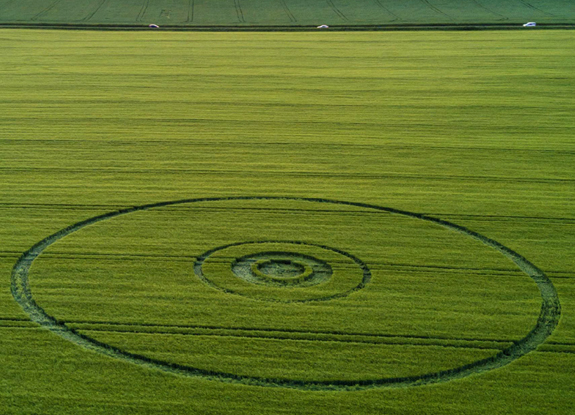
x,y
546,323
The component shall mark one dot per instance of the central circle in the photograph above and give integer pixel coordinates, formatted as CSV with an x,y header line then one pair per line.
x,y
282,269
283,272
279,268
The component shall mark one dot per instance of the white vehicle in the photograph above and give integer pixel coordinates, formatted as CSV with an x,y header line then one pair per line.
x,y
530,24
323,26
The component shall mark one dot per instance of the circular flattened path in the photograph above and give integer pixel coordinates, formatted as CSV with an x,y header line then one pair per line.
x,y
546,323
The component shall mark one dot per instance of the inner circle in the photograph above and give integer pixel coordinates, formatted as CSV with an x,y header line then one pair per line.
x,y
279,268
282,269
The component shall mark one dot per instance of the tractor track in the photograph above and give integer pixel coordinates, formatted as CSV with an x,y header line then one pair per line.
x,y
479,4
314,337
239,11
382,6
252,173
337,11
435,9
143,11
46,10
108,207
529,5
287,11
89,16
191,5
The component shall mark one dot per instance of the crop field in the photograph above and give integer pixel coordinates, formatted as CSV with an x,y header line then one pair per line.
x,y
298,223
284,13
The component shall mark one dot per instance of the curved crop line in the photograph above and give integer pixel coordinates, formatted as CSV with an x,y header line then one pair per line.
x,y
364,281
432,7
191,5
478,3
89,16
46,10
290,15
239,11
546,323
380,4
305,273
143,11
336,10
535,8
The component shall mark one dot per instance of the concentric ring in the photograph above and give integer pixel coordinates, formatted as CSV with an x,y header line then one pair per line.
x,y
546,323
284,271
265,268
365,277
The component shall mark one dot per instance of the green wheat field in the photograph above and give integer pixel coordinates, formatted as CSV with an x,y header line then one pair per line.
x,y
286,223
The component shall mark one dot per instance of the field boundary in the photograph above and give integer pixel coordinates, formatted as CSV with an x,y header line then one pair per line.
x,y
546,323
289,28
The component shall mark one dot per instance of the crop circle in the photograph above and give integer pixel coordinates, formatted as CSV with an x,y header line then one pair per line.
x,y
544,326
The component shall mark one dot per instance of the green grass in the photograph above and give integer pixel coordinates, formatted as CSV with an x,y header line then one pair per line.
x,y
284,13
474,128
